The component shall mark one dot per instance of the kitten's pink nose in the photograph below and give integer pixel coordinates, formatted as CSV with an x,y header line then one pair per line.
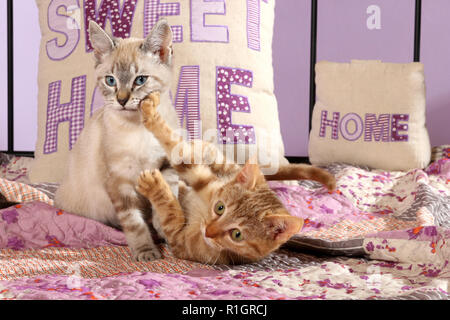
x,y
212,231
123,97
122,101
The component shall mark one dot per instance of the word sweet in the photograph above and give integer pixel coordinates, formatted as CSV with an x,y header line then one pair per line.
x,y
382,128
121,18
64,17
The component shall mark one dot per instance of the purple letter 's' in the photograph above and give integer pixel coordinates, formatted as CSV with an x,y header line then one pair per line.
x,y
63,24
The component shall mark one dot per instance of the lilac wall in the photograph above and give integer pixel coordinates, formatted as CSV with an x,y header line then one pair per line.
x,y
3,79
26,56
344,32
26,52
291,58
435,55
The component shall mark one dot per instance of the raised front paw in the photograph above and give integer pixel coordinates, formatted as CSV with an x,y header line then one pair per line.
x,y
149,182
148,107
147,253
155,188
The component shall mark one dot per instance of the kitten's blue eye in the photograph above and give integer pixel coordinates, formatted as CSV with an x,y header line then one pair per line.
x,y
140,80
110,81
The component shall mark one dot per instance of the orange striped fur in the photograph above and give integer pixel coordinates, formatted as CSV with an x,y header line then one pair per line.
x,y
225,213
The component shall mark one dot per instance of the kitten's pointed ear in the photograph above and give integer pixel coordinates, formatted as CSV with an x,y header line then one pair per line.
x,y
250,175
102,42
159,41
283,227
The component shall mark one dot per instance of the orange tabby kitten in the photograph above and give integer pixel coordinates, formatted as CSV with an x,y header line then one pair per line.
x,y
225,213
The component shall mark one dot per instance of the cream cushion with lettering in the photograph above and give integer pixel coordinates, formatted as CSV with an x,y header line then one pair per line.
x,y
222,82
370,113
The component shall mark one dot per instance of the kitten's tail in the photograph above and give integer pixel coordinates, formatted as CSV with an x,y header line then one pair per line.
x,y
304,172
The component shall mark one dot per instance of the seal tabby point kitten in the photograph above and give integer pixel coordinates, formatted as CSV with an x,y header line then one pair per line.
x,y
225,213
114,147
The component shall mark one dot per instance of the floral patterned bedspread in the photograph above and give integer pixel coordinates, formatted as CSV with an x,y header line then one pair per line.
x,y
382,235
367,202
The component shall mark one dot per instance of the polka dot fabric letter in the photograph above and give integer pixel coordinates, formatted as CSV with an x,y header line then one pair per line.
x,y
228,103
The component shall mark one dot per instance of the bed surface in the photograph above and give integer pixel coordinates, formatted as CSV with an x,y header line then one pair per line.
x,y
382,235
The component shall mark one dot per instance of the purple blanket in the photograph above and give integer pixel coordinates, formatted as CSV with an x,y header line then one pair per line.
x,y
388,233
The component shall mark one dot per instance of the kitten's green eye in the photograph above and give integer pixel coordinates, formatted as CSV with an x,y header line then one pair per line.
x,y
219,208
110,81
236,235
140,80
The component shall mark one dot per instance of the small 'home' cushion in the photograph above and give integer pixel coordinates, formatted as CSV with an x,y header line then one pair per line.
x,y
370,113
222,81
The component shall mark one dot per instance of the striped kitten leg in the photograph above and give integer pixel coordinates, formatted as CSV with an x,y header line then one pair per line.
x,y
130,209
172,179
214,164
151,184
171,141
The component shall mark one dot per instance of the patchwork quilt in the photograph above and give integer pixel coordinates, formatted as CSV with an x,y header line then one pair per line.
x,y
381,235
